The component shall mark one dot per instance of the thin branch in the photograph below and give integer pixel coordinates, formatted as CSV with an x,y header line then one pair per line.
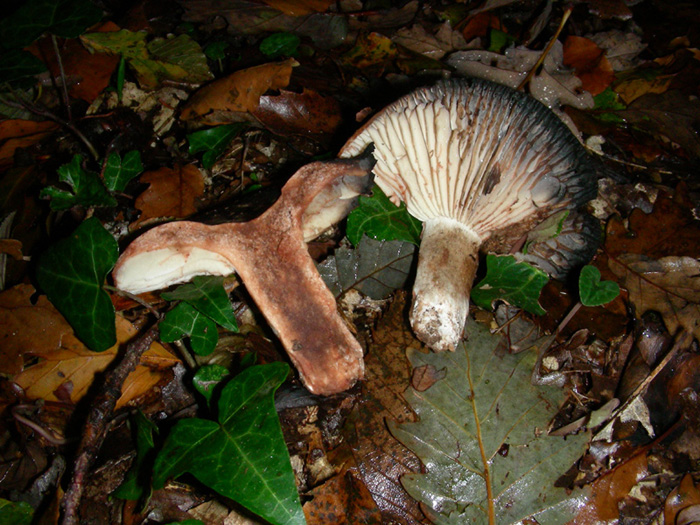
x,y
64,87
97,422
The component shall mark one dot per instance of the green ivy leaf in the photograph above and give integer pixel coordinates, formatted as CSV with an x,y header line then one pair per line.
x,y
517,283
185,320
378,218
213,141
72,273
206,293
15,512
137,484
226,455
216,50
18,67
280,44
87,187
593,291
482,434
207,378
64,18
118,172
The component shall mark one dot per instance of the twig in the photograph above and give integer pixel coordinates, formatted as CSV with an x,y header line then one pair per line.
x,y
64,87
564,18
97,422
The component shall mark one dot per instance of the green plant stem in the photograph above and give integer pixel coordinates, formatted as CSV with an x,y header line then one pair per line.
x,y
64,87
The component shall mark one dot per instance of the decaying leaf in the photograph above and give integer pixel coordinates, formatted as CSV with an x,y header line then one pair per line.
x,y
306,113
482,436
670,286
684,499
39,331
376,268
239,92
172,193
589,62
21,134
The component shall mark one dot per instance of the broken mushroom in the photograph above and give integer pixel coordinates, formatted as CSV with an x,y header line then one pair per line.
x,y
480,165
270,256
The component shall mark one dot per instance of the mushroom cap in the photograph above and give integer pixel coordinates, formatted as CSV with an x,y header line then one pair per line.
x,y
477,152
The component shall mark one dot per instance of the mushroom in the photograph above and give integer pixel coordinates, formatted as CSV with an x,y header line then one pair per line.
x,y
270,256
480,165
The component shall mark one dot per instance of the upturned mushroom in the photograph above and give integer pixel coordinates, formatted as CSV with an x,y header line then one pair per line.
x,y
480,165
270,256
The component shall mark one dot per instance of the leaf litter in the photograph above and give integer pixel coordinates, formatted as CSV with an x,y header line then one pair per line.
x,y
631,353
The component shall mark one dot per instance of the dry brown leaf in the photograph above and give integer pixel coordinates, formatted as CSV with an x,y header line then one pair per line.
x,y
70,368
670,229
306,113
589,63
300,8
670,286
610,489
21,134
25,327
342,500
239,92
381,460
172,193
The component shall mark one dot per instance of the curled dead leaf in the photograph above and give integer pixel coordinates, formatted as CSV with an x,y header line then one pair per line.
x,y
239,92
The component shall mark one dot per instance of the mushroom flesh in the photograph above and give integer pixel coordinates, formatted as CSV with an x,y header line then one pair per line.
x,y
270,256
480,164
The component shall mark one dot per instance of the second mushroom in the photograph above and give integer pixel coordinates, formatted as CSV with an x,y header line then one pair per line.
x,y
480,165
269,254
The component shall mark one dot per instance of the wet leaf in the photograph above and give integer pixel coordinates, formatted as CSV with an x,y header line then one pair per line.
x,y
172,193
685,496
593,291
65,18
343,499
206,294
118,172
87,188
589,63
186,320
226,455
305,113
213,142
21,134
280,44
72,273
378,218
482,436
136,485
670,286
372,53
375,268
514,282
207,378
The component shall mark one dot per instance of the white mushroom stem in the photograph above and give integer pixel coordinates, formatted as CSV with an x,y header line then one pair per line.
x,y
447,263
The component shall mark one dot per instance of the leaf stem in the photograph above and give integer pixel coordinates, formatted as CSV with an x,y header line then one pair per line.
x,y
482,451
64,87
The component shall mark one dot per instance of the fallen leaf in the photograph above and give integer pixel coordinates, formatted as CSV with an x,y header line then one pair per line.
x,y
589,63
380,459
670,229
65,364
172,193
682,497
239,92
342,500
88,74
12,247
21,134
609,490
482,437
372,53
300,8
608,9
670,286
672,114
418,40
306,113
